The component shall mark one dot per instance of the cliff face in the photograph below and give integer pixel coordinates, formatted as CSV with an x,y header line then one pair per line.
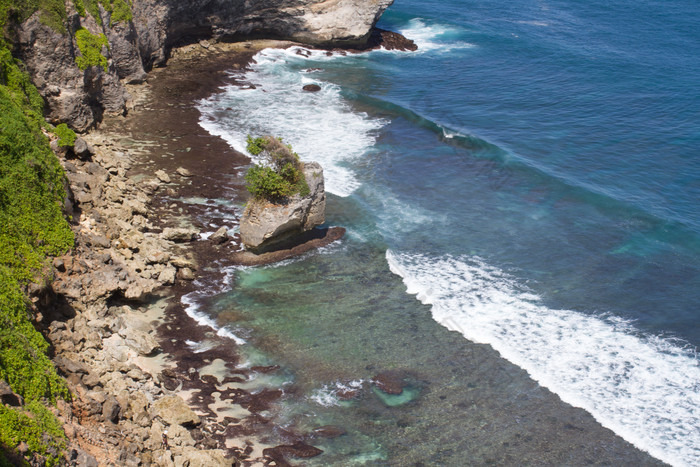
x,y
80,97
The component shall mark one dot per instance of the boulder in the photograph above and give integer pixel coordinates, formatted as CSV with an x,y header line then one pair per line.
x,y
193,457
265,225
111,410
174,411
220,236
312,88
179,235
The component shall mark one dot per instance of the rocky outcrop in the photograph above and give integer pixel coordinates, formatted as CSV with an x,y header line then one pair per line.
x,y
265,225
81,97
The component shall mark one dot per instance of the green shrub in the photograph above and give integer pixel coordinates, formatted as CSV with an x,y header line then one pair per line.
x,y
280,174
66,136
80,7
51,12
90,46
121,11
32,226
35,425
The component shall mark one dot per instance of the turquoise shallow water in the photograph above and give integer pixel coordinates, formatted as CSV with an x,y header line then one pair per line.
x,y
529,179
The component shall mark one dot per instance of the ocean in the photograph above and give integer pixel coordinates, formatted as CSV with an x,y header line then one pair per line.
x,y
527,181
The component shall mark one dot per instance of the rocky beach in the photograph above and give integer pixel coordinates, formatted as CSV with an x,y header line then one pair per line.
x,y
115,317
387,325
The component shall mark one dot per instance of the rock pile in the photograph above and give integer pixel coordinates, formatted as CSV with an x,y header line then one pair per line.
x,y
120,251
121,414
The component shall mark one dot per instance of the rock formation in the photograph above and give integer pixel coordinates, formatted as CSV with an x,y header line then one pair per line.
x,y
265,225
80,97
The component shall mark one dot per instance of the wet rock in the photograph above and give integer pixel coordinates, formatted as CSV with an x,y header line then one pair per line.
x,y
298,449
389,382
311,87
329,431
174,411
220,236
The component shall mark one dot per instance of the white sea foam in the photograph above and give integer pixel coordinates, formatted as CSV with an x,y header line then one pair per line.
x,y
319,125
646,389
190,301
433,37
327,395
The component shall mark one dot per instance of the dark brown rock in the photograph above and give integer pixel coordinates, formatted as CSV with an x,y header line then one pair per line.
x,y
298,449
315,238
389,382
328,431
312,88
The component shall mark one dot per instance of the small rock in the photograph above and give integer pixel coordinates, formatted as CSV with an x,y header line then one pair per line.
x,y
329,431
183,172
185,274
312,88
7,396
389,382
179,235
162,176
82,149
174,411
220,236
111,410
167,276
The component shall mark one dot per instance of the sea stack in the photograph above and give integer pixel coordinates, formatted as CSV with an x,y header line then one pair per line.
x,y
267,225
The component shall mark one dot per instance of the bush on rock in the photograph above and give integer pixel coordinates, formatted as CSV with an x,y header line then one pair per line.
x,y
279,175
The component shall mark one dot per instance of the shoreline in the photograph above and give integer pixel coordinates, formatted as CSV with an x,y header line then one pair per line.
x,y
177,83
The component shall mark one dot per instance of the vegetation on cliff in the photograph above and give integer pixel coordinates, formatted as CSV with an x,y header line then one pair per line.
x,y
279,174
120,10
90,46
32,227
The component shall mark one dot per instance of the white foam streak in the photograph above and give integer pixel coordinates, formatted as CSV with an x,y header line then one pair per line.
x,y
319,125
193,311
433,38
646,389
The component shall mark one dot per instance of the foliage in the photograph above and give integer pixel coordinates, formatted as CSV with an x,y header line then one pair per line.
x,y
279,175
90,46
52,12
35,425
32,226
120,10
66,136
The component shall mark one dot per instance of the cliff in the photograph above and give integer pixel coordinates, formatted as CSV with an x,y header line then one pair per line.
x,y
79,63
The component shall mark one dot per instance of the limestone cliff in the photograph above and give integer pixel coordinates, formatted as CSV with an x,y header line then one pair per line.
x,y
142,39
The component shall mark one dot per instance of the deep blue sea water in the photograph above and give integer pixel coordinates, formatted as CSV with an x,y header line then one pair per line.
x,y
530,178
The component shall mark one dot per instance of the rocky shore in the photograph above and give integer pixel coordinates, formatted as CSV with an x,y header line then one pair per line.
x,y
113,314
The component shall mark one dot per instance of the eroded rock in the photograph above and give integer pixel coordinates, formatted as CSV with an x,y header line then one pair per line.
x,y
264,224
